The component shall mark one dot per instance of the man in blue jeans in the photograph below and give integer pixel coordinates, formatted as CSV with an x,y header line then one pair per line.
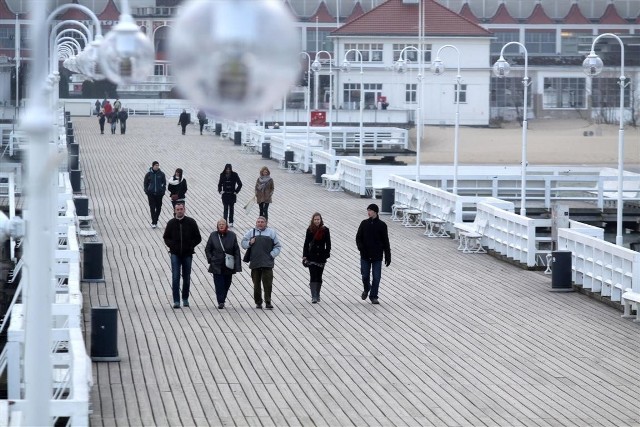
x,y
181,236
372,239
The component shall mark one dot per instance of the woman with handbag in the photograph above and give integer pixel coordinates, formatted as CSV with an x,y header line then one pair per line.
x,y
223,256
177,188
315,252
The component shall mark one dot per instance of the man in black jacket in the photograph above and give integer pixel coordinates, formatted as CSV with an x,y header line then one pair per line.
x,y
184,120
155,184
229,185
181,236
372,239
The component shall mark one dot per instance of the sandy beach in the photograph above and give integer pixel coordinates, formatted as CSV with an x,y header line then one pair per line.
x,y
549,142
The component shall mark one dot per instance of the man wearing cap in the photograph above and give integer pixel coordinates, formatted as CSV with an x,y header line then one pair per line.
x,y
372,240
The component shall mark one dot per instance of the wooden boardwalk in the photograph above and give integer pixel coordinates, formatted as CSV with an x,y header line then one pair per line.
x,y
458,340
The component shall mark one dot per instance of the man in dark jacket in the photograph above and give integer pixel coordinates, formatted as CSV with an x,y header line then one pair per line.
x,y
123,115
184,120
372,239
229,185
155,184
181,236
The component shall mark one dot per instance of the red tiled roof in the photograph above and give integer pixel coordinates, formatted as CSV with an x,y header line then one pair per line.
x,y
575,16
110,12
502,16
394,17
611,16
322,13
538,16
356,12
288,6
466,12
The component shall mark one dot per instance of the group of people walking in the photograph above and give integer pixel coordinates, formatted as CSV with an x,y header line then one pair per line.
x,y
261,243
111,114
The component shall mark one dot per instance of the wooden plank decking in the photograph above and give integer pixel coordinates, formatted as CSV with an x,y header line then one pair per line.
x,y
458,340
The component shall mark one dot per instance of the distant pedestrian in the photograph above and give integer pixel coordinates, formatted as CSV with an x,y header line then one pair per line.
x,y
117,105
104,102
108,108
202,119
123,116
264,247
177,188
112,118
184,120
315,252
229,185
372,240
264,191
154,186
222,242
181,236
98,106
102,117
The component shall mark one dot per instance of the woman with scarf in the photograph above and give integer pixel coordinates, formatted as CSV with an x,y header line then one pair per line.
x,y
177,188
221,242
315,252
264,191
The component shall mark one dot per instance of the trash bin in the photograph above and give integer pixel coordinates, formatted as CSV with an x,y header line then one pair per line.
x,y
104,334
237,138
266,150
73,149
218,129
321,169
69,131
74,162
561,271
82,205
388,199
288,157
70,139
92,262
74,177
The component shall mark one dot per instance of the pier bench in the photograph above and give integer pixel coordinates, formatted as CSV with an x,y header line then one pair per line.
x,y
435,221
630,301
470,236
333,181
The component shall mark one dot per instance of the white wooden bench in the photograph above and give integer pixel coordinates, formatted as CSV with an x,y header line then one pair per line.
x,y
435,222
333,182
630,301
294,167
470,236
412,216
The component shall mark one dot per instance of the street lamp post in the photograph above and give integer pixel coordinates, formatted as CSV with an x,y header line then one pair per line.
x,y
306,148
317,66
438,68
592,66
401,67
501,68
346,66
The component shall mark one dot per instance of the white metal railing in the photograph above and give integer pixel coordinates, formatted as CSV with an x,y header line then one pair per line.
x,y
600,266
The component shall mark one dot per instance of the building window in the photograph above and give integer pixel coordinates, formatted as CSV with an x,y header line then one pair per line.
x,y
351,96
371,52
158,70
411,93
324,43
605,93
540,42
564,93
508,92
411,54
575,43
463,94
372,91
7,36
502,38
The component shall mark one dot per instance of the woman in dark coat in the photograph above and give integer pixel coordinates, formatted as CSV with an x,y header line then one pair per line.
x,y
221,242
315,252
177,187
229,185
101,119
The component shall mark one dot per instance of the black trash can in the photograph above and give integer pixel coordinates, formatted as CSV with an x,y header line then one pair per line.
x,y
69,131
561,271
266,150
70,139
237,138
321,169
74,162
92,262
73,149
288,157
69,124
74,177
388,199
82,205
104,334
218,129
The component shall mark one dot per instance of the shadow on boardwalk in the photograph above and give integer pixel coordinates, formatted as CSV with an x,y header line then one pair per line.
x,y
458,340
